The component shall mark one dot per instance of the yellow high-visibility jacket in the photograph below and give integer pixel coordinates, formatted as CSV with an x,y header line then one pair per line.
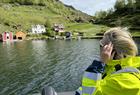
x,y
124,81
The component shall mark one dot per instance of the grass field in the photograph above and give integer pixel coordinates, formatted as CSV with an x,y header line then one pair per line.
x,y
87,28
135,33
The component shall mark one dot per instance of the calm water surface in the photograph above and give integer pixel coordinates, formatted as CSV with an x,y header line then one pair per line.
x,y
26,66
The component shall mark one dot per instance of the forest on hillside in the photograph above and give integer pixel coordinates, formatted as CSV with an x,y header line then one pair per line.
x,y
125,13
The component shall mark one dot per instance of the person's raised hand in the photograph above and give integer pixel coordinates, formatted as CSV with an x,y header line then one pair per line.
x,y
106,53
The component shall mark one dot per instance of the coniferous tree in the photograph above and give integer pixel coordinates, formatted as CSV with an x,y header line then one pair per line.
x,y
131,6
138,5
119,4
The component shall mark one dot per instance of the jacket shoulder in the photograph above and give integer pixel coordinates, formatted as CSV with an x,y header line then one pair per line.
x,y
120,84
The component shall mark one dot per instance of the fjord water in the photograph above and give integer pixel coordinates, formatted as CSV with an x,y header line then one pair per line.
x,y
26,66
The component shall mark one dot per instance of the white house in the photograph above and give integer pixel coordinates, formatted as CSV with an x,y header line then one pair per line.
x,y
38,29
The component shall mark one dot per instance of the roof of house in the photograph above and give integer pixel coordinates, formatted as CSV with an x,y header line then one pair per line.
x,y
20,33
59,25
38,25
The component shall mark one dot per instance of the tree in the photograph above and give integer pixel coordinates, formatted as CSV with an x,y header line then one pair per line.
x,y
48,23
42,2
110,11
48,27
131,6
120,6
101,14
131,3
138,4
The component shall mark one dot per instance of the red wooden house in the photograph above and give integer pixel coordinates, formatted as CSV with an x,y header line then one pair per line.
x,y
7,36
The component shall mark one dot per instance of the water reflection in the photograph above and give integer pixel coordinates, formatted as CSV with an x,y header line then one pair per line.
x,y
29,65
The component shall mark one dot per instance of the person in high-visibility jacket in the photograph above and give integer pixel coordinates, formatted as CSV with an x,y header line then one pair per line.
x,y
117,71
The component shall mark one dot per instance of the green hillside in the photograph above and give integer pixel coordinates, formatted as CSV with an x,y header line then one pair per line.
x,y
21,14
126,13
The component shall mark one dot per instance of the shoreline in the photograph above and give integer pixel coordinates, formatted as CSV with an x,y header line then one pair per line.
x,y
62,38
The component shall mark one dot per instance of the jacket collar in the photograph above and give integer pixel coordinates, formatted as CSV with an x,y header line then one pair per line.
x,y
124,63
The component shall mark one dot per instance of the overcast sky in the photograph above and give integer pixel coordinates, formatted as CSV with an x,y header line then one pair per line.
x,y
90,6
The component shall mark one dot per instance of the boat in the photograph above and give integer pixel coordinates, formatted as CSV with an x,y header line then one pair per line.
x,y
60,93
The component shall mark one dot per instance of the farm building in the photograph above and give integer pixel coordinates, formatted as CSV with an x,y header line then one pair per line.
x,y
20,35
58,27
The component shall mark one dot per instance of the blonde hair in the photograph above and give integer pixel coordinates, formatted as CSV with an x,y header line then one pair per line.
x,y
122,41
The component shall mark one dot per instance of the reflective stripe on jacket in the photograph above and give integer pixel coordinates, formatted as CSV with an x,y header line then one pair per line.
x,y
90,78
122,82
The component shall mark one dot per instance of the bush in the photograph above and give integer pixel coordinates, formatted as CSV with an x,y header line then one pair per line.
x,y
27,2
50,33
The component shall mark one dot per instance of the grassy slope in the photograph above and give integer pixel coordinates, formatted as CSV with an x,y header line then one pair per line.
x,y
26,15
